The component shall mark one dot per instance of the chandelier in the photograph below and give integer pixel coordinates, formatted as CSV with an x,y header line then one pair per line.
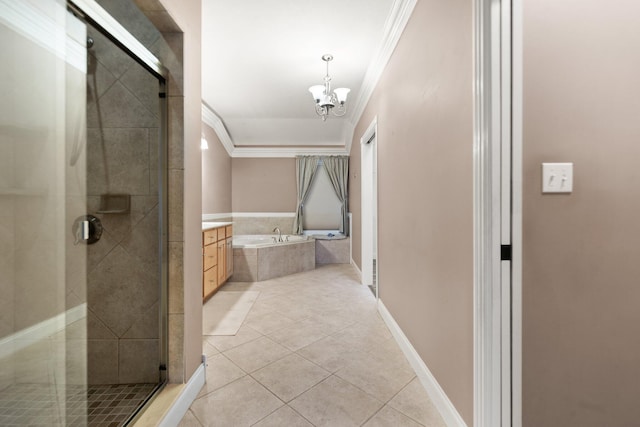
x,y
327,101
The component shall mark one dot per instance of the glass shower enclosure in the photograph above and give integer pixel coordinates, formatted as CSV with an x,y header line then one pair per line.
x,y
82,217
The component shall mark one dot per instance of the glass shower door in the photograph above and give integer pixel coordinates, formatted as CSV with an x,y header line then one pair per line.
x,y
42,190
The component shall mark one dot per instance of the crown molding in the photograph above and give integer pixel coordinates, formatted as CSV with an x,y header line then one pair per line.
x,y
212,119
288,152
394,26
396,22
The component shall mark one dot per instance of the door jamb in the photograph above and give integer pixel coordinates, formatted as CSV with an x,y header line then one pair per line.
x,y
370,134
497,224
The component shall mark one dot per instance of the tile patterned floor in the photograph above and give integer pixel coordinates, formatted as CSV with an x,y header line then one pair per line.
x,y
41,404
112,405
313,351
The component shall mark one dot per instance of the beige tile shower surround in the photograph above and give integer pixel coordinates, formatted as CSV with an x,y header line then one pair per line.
x,y
122,140
313,351
166,41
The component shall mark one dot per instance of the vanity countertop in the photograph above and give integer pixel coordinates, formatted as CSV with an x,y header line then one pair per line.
x,y
209,225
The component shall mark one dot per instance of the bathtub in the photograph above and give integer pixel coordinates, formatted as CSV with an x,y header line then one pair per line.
x,y
258,257
324,234
262,240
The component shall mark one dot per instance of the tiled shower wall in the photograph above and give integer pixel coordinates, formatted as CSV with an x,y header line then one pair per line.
x,y
123,288
150,23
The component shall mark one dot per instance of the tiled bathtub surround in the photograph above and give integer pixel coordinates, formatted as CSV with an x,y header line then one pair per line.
x,y
257,264
336,251
313,351
245,224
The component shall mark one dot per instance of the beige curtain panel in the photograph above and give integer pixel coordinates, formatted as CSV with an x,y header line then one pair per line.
x,y
337,168
306,167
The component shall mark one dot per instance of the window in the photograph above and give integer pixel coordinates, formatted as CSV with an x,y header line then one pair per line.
x,y
322,209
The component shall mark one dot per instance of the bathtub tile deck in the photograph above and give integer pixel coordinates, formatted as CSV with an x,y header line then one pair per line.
x,y
306,342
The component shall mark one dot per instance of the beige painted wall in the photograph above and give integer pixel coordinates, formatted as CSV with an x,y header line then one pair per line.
x,y
264,185
425,147
580,271
216,175
187,14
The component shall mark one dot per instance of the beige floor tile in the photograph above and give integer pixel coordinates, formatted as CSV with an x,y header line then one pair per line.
x,y
231,300
270,323
223,322
331,353
377,375
284,416
241,403
256,354
335,402
225,313
220,372
241,286
244,335
290,376
208,349
299,311
362,338
390,417
189,420
332,322
258,310
414,402
299,335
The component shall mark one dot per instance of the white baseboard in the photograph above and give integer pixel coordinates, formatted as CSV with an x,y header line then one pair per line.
x,y
25,337
182,403
355,266
448,412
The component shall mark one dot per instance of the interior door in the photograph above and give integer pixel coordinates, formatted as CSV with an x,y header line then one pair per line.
x,y
369,217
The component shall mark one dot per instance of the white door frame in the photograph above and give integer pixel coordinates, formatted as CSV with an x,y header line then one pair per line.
x,y
497,220
369,203
516,210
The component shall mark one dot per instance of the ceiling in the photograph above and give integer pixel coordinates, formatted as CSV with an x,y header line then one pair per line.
x,y
259,58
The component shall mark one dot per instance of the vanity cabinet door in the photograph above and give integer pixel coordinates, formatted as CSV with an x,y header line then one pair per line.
x,y
209,237
229,253
222,259
210,282
210,257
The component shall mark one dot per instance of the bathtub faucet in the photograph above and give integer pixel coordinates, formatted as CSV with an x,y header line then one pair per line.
x,y
277,230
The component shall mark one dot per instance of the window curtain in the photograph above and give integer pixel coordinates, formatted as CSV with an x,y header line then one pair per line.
x,y
337,168
306,167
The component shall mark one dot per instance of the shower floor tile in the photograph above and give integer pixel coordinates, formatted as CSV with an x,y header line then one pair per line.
x,y
29,404
111,405
42,404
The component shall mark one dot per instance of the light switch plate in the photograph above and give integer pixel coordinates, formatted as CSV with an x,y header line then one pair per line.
x,y
557,177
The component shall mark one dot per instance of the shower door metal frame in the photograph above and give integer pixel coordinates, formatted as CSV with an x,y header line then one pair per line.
x,y
101,20
112,29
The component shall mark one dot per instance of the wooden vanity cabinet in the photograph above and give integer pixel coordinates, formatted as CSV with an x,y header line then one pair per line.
x,y
217,258
222,270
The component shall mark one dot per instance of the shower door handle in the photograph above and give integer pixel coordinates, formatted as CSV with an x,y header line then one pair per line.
x,y
86,229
